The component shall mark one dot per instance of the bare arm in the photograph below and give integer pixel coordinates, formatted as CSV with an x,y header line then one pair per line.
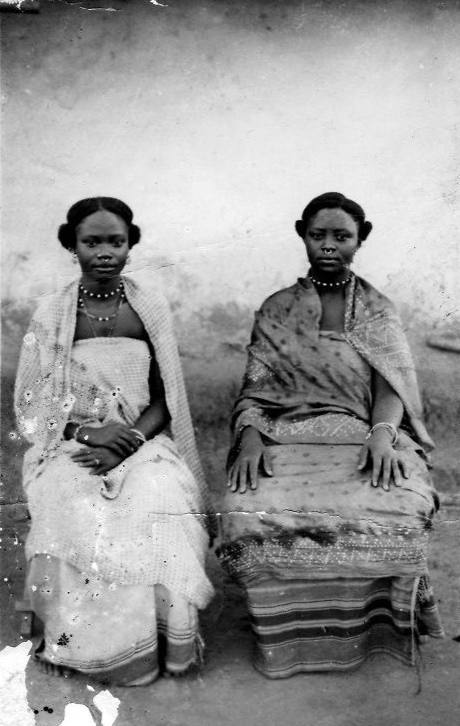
x,y
154,419
156,416
251,456
387,464
387,404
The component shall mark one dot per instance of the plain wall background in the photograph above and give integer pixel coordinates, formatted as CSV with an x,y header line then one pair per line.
x,y
217,122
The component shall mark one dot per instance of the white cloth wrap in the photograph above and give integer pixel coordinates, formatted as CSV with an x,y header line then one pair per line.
x,y
141,531
145,522
43,395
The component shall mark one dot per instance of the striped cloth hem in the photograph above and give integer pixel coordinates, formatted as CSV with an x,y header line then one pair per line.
x,y
308,625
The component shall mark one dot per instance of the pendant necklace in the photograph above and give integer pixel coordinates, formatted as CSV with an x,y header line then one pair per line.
x,y
82,307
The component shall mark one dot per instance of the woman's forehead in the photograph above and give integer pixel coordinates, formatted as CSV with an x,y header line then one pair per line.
x,y
102,221
335,218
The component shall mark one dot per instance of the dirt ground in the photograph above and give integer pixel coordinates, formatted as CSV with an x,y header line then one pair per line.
x,y
229,691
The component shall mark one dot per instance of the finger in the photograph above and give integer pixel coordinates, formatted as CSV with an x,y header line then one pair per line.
x,y
404,468
128,439
376,467
267,463
120,446
252,473
397,478
386,473
120,450
363,456
235,476
84,456
101,470
81,452
243,476
230,475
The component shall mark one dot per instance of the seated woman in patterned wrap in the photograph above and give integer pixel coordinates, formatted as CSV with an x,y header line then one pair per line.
x,y
115,490
330,501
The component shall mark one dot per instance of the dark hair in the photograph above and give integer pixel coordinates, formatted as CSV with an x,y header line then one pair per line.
x,y
334,200
85,207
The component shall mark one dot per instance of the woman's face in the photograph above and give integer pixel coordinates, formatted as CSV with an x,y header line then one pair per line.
x,y
102,245
331,240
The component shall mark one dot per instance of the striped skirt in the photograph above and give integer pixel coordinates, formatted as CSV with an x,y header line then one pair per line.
x,y
335,623
123,635
333,570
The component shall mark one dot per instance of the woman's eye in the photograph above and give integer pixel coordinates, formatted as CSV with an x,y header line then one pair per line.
x,y
316,235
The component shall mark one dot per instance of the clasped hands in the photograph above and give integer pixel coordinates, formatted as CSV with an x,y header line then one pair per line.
x,y
386,464
106,446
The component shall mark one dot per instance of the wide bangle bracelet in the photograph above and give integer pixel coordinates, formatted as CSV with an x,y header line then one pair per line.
x,y
139,435
384,425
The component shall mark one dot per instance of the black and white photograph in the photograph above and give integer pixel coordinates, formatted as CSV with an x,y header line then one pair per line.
x,y
230,486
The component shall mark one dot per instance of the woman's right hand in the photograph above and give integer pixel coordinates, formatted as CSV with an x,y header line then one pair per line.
x,y
252,454
115,436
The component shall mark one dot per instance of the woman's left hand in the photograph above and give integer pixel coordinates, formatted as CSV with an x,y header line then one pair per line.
x,y
98,458
387,463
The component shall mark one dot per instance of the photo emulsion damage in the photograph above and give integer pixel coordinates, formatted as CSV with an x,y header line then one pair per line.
x,y
230,362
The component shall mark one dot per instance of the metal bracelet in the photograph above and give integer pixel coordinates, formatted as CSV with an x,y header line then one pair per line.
x,y
139,435
385,425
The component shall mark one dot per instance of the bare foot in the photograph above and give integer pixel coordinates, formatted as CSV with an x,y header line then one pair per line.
x,y
52,669
192,670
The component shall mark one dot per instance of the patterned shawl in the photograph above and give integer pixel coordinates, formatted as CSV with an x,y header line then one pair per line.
x,y
43,398
285,335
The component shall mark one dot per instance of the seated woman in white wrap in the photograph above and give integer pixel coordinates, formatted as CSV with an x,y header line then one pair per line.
x,y
115,490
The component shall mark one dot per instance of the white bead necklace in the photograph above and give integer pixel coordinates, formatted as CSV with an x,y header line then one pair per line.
x,y
102,295
320,283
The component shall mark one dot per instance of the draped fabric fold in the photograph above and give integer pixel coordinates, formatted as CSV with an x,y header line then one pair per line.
x,y
116,563
43,395
287,375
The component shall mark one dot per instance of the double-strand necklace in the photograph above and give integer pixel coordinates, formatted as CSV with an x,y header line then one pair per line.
x,y
340,283
119,292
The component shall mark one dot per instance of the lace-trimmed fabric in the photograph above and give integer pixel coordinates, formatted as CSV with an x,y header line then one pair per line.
x,y
43,394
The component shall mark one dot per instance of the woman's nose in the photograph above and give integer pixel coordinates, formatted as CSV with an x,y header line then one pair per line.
x,y
104,254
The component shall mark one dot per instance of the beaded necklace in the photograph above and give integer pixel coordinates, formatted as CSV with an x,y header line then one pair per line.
x,y
82,307
340,283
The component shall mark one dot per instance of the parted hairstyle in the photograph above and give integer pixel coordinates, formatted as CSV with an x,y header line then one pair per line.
x,y
334,200
78,211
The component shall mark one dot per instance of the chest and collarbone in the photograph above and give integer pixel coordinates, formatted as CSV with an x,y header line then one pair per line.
x,y
333,303
103,319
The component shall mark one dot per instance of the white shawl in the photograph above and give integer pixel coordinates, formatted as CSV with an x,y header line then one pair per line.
x,y
43,398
